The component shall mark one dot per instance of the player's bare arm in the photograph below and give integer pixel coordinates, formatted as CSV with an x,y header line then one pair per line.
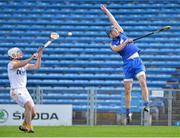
x,y
19,64
111,18
37,65
120,47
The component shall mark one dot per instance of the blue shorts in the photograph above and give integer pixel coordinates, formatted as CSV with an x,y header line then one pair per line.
x,y
132,67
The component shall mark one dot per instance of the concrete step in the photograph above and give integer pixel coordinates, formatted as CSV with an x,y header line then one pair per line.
x,y
177,96
163,116
176,102
159,123
176,110
176,116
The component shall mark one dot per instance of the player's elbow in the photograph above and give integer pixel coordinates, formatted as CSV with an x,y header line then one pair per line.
x,y
38,67
115,49
121,30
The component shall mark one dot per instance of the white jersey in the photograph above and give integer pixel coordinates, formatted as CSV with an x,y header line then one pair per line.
x,y
17,77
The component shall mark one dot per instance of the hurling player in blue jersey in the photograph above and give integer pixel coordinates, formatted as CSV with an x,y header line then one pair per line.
x,y
132,67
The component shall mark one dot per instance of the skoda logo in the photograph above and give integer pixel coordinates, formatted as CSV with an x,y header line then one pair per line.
x,y
3,115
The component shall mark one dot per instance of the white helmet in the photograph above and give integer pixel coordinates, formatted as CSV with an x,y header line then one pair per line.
x,y
15,53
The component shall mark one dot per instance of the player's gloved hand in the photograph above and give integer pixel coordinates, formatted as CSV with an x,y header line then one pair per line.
x,y
129,40
112,45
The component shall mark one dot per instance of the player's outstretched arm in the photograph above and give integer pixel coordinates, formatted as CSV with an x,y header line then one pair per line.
x,y
111,18
120,47
37,65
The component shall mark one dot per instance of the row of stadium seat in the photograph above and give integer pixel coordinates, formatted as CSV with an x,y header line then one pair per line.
x,y
99,64
145,46
89,76
65,17
100,1
76,6
83,83
79,70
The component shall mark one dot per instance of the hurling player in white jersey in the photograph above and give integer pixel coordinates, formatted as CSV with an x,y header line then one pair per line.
x,y
18,80
132,67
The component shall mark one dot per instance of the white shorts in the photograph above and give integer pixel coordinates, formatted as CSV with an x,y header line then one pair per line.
x,y
21,96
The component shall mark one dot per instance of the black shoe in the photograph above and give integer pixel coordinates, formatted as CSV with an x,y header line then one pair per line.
x,y
30,131
23,128
129,118
146,109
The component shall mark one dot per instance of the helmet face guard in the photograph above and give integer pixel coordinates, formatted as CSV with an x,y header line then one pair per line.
x,y
15,53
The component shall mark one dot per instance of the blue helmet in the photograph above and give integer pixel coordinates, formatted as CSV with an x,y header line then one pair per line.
x,y
109,30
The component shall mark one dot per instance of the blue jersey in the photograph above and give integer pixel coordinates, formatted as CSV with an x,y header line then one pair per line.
x,y
128,50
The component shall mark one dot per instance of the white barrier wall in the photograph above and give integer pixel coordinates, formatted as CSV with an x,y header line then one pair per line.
x,y
46,115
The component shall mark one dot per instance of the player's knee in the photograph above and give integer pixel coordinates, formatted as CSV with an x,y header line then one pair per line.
x,y
127,86
127,93
128,90
142,82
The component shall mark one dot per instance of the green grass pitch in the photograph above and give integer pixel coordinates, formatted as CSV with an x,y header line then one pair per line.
x,y
93,131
